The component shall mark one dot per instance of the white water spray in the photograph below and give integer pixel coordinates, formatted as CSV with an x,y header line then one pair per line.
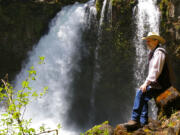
x,y
102,13
61,50
92,13
147,19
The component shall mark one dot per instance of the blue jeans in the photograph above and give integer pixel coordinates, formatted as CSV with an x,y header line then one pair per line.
x,y
140,108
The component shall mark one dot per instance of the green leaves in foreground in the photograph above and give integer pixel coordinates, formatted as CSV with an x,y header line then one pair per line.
x,y
12,119
42,58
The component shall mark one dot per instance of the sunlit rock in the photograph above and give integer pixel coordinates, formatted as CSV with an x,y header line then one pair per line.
x,y
168,102
103,129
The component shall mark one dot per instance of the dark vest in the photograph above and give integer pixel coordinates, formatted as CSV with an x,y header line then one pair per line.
x,y
164,78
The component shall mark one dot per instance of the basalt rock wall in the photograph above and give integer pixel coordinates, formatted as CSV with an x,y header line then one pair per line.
x,y
170,30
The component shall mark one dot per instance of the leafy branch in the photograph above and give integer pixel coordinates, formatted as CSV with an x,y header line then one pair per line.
x,y
12,121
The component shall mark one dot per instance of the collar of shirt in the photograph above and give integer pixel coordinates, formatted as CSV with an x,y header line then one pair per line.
x,y
152,53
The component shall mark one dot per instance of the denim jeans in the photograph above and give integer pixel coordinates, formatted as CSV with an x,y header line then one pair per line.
x,y
140,108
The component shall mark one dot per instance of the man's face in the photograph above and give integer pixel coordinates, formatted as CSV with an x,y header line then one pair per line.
x,y
151,43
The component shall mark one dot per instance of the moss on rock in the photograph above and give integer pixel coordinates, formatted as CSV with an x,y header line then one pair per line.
x,y
102,129
99,4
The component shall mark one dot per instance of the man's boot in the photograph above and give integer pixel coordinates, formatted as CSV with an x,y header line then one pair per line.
x,y
132,125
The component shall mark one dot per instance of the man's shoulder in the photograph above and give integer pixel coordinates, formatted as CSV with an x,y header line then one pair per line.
x,y
160,50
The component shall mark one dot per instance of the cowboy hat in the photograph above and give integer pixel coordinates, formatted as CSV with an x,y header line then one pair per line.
x,y
155,35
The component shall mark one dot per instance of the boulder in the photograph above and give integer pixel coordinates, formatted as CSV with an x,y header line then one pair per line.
x,y
168,102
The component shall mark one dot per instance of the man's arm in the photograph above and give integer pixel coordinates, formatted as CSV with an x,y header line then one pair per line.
x,y
155,69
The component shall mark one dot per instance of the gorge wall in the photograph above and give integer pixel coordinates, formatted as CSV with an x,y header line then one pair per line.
x,y
170,29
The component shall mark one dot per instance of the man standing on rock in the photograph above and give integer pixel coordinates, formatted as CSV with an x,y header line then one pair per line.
x,y
157,81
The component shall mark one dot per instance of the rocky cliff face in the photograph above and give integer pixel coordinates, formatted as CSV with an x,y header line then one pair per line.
x,y
170,24
170,29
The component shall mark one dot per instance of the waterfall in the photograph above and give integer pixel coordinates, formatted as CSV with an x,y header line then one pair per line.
x,y
110,12
91,14
96,76
102,13
60,47
147,19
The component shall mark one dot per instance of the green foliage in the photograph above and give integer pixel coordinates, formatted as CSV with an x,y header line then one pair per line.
x,y
163,3
96,130
12,121
114,2
41,59
171,124
99,6
122,2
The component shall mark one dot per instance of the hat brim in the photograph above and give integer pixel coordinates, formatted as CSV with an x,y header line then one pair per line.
x,y
161,39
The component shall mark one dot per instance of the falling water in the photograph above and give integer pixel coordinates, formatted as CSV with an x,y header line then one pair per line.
x,y
91,14
61,50
147,19
110,12
102,13
96,76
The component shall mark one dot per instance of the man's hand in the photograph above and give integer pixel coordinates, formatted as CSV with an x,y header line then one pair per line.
x,y
143,87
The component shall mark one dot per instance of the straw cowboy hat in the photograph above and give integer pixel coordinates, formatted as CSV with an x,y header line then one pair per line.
x,y
155,35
